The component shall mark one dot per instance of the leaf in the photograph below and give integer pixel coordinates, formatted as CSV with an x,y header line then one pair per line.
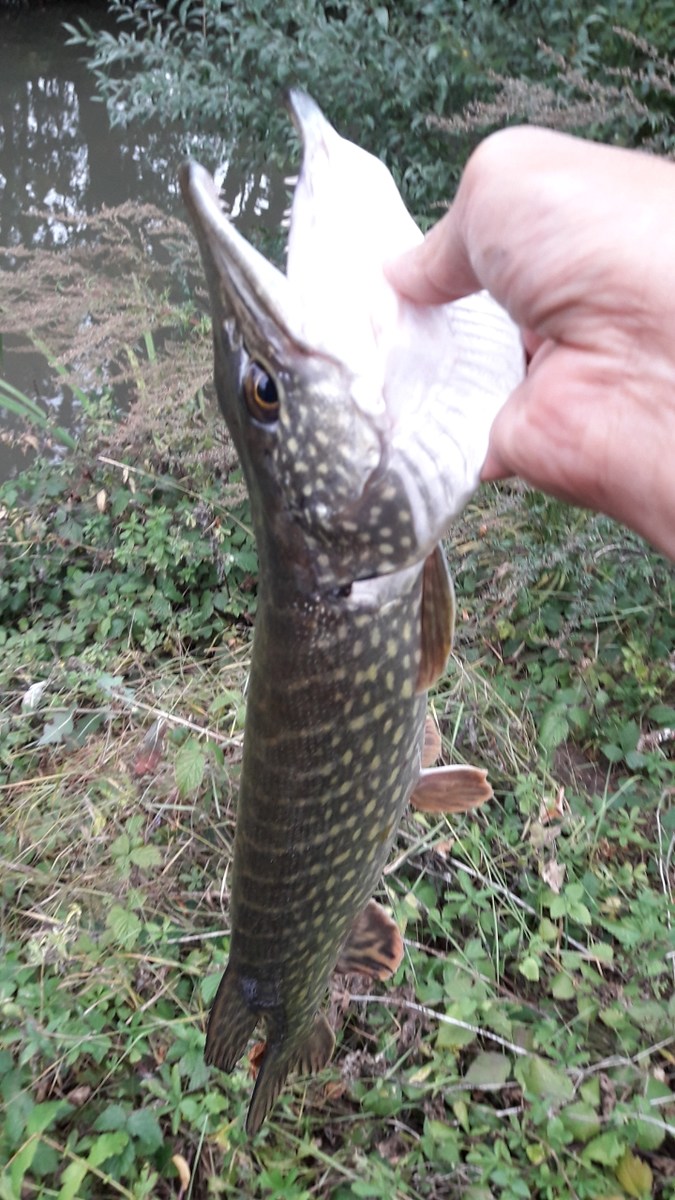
x,y
490,1068
581,1120
42,1116
562,987
21,1163
106,1146
605,1149
209,986
539,1078
144,1125
190,767
145,856
71,1179
59,729
554,727
112,1117
635,1176
529,967
125,926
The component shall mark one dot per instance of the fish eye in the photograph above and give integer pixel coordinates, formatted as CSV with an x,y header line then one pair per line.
x,y
261,393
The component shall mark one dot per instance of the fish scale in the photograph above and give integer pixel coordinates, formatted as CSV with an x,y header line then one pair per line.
x,y
352,478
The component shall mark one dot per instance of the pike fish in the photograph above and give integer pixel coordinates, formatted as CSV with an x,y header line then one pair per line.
x,y
361,422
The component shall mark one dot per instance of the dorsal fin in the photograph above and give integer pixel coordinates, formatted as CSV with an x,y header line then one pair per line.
x,y
374,946
437,618
454,789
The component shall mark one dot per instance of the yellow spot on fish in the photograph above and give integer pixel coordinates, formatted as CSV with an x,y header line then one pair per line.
x,y
358,723
368,745
375,637
357,648
392,648
292,445
398,735
347,757
407,689
379,711
370,807
390,680
376,761
406,632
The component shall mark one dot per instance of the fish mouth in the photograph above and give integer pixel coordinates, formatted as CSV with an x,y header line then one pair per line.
x,y
247,292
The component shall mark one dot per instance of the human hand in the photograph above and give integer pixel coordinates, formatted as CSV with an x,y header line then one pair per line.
x,y
577,242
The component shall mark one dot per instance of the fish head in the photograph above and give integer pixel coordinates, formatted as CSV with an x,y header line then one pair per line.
x,y
338,392
306,449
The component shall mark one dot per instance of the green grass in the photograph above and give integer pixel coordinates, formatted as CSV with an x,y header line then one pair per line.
x,y
526,1046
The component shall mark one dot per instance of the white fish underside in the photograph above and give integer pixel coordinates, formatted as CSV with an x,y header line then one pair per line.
x,y
432,379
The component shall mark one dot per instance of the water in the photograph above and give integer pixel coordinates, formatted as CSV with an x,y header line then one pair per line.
x,y
59,160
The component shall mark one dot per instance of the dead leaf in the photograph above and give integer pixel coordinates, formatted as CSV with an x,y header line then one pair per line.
x,y
444,846
102,500
553,809
553,874
541,836
183,1169
79,1095
149,753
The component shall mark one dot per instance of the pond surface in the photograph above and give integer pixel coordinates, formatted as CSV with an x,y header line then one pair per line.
x,y
60,160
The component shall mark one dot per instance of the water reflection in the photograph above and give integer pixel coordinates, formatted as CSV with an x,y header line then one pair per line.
x,y
59,161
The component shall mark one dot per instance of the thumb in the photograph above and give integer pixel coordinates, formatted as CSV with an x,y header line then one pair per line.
x,y
438,270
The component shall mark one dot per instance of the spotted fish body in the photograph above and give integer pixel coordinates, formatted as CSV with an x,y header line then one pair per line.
x,y
342,461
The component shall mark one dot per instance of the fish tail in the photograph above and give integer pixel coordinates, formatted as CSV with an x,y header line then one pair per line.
x,y
231,1023
313,1054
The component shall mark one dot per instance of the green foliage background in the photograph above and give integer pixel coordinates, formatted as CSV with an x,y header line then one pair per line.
x,y
388,74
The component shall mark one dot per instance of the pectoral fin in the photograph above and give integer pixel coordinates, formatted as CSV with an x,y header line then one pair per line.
x,y
454,789
274,1066
374,946
437,618
431,749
